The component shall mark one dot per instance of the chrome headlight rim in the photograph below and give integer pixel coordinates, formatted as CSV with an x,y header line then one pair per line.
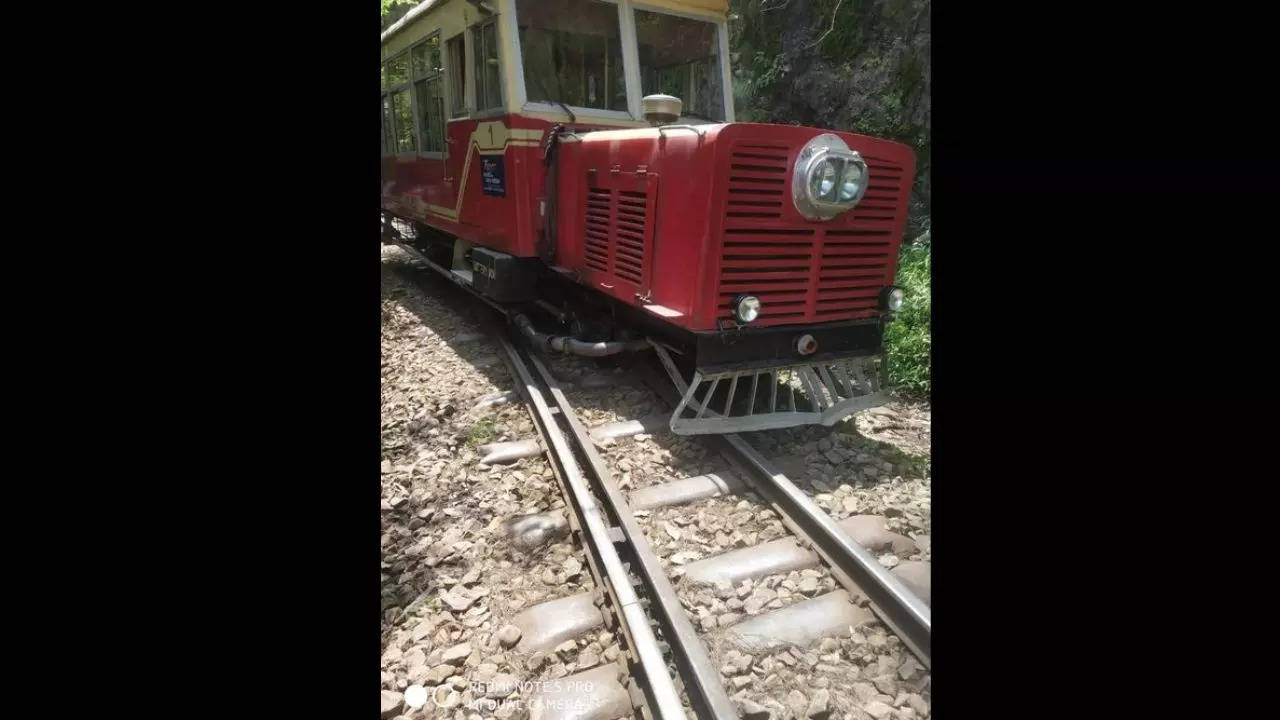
x,y
738,307
822,149
892,298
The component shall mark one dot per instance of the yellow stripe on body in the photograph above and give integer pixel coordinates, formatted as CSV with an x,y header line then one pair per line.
x,y
489,138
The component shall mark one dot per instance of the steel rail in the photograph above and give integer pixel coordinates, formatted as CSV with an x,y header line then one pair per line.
x,y
856,569
666,703
702,676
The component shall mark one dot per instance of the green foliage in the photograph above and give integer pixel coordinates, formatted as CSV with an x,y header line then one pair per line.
x,y
841,18
907,337
393,10
481,432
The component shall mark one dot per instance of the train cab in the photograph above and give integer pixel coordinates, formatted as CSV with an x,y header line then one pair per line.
x,y
580,162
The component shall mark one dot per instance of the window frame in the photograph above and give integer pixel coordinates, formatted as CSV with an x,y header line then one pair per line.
x,y
475,36
414,79
388,120
625,33
463,109
630,61
722,37
390,92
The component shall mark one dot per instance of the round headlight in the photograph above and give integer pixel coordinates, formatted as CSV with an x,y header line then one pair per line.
x,y
746,308
828,178
894,299
853,183
822,180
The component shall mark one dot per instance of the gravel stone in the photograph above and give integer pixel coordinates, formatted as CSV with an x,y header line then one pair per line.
x,y
797,702
877,709
452,700
456,654
818,705
918,704
809,586
423,630
391,703
439,674
566,650
509,635
886,684
752,710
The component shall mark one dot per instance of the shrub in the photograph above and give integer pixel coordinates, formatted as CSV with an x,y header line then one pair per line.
x,y
907,337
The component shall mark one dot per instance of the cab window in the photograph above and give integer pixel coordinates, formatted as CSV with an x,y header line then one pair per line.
x,y
681,56
572,53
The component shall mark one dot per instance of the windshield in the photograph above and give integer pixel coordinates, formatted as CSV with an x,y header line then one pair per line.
x,y
572,53
681,56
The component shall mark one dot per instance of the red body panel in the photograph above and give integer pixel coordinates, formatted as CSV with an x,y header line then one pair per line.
x,y
675,218
427,189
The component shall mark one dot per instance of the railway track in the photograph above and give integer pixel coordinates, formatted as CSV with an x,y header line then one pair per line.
x,y
789,594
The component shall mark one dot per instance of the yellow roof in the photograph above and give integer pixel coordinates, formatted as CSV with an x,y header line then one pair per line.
x,y
719,7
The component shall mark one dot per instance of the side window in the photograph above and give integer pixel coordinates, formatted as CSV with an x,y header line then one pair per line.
x,y
429,97
402,136
388,146
484,47
398,70
402,108
457,75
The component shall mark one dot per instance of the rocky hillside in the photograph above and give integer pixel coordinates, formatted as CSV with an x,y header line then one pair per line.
x,y
859,65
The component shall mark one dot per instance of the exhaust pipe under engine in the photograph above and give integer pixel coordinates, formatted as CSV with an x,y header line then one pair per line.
x,y
565,344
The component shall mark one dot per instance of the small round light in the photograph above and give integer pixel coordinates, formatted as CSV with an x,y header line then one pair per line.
x,y
822,180
895,298
746,308
807,344
851,183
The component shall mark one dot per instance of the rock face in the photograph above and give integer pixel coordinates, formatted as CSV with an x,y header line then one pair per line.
x,y
870,73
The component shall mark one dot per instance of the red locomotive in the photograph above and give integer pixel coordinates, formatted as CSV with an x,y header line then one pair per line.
x,y
577,162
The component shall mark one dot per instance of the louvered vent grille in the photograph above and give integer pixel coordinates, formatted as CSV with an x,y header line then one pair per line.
x,y
619,226
599,218
757,181
629,231
803,272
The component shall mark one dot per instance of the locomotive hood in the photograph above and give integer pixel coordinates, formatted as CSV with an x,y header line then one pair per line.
x,y
689,217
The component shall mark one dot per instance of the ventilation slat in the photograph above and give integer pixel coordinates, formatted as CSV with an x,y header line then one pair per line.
x,y
768,251
617,227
